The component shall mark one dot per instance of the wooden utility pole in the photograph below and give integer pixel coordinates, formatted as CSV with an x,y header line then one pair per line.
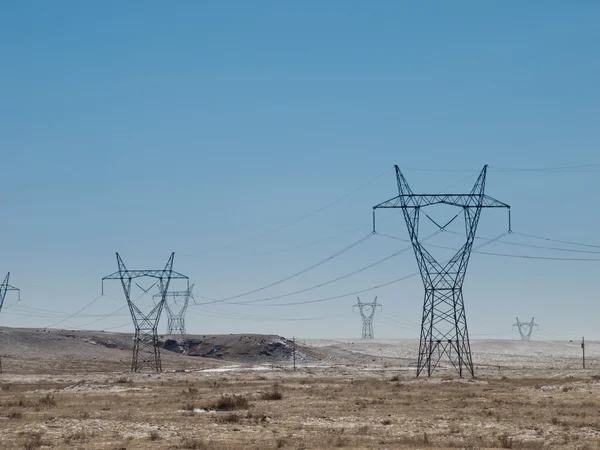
x,y
294,352
583,350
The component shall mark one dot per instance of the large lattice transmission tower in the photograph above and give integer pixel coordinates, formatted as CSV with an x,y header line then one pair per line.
x,y
176,309
367,313
4,289
444,331
525,328
146,352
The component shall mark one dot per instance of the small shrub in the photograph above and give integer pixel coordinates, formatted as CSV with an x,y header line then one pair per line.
x,y
395,378
80,436
363,429
230,418
426,439
123,380
506,441
154,435
386,422
15,415
231,402
257,417
193,444
6,387
471,447
281,442
33,441
273,394
189,407
48,400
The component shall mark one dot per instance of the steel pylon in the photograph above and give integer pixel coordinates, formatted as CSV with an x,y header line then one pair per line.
x,y
176,319
444,329
4,289
367,312
525,328
146,352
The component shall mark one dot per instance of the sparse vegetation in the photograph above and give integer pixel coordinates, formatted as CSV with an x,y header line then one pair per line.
x,y
33,440
273,394
230,402
79,436
193,444
328,408
230,418
48,400
154,435
506,441
15,415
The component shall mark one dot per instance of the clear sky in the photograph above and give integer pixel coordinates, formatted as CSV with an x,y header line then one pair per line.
x,y
203,127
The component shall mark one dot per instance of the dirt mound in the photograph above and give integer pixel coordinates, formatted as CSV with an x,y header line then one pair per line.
x,y
239,348
26,350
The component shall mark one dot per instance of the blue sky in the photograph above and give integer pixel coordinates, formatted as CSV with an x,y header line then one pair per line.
x,y
147,128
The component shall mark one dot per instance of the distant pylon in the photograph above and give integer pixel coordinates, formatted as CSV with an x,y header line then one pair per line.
x,y
367,312
525,328
176,319
4,288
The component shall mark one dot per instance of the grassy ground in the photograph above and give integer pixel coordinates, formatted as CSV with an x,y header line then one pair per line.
x,y
308,409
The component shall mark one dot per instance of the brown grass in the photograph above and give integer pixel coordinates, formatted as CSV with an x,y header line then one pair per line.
x,y
325,410
273,394
229,403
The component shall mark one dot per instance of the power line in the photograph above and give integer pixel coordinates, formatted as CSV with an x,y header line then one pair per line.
x,y
400,319
507,255
288,249
348,294
544,169
77,312
307,216
106,316
339,199
335,297
550,258
316,286
393,324
518,244
118,326
221,314
303,271
319,285
556,240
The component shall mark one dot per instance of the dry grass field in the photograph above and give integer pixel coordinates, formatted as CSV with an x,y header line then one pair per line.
x,y
315,407
308,409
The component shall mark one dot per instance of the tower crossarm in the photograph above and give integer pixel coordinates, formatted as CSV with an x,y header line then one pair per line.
x,y
145,273
132,274
423,200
